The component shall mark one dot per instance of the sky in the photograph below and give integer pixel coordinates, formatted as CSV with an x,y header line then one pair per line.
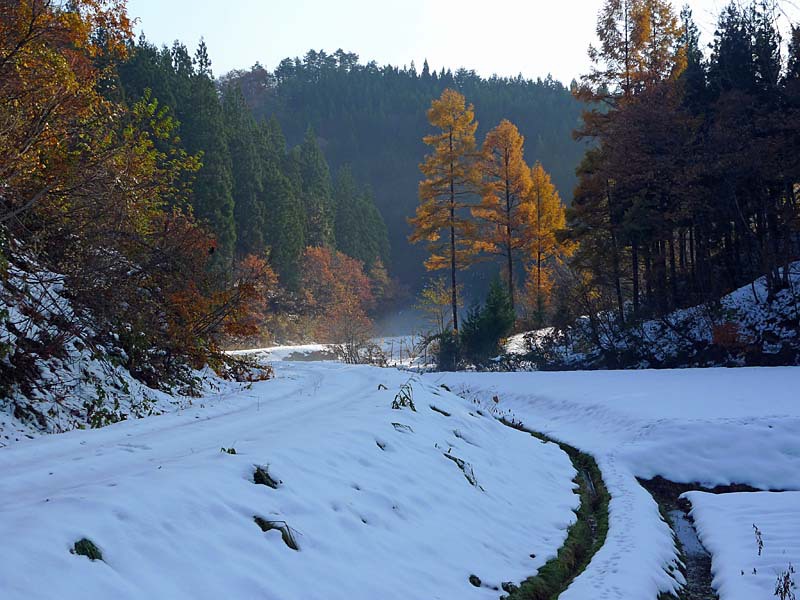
x,y
504,37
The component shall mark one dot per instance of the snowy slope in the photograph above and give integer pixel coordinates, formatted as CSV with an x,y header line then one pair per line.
x,y
375,506
54,374
725,525
714,426
745,328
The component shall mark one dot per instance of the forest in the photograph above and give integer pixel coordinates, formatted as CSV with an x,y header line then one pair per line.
x,y
372,118
591,389
305,202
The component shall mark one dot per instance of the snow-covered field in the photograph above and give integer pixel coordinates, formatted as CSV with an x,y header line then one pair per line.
x,y
372,497
727,523
375,502
713,426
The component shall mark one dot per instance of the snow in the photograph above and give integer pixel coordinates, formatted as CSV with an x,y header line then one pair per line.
x,y
764,331
78,383
288,352
402,350
377,509
712,426
725,526
520,343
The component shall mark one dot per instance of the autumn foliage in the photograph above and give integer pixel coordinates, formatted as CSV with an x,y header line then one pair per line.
x,y
338,295
487,203
504,209
451,178
96,190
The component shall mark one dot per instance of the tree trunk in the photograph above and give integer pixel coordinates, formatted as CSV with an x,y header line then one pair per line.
x,y
693,262
648,273
635,272
615,258
509,242
539,303
673,276
454,289
682,250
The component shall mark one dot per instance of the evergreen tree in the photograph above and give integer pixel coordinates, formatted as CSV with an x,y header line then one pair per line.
x,y
360,230
249,207
486,326
284,215
204,131
316,192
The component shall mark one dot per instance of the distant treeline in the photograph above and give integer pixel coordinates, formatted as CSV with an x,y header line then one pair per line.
x,y
372,118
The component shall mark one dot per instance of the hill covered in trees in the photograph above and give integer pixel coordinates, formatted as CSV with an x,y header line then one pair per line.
x,y
372,118
257,194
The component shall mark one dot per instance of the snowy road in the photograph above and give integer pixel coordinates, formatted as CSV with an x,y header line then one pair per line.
x,y
376,508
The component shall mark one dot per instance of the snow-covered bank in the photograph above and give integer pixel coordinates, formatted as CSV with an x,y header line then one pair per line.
x,y
714,426
54,374
745,328
372,496
727,524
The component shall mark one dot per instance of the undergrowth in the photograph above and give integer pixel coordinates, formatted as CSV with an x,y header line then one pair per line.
x,y
86,547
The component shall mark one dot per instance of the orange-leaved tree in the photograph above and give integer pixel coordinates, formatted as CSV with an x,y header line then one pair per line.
x,y
338,295
451,178
505,217
544,247
49,52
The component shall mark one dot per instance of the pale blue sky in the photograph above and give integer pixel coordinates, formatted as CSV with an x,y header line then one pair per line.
x,y
507,37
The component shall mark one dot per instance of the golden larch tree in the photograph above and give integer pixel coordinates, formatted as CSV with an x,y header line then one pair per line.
x,y
506,181
451,178
547,217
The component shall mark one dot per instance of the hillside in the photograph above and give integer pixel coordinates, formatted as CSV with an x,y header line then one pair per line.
x,y
747,327
373,118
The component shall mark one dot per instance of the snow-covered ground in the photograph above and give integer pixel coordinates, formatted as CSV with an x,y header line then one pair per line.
x,y
300,352
745,328
727,523
78,382
376,507
372,497
713,426
400,351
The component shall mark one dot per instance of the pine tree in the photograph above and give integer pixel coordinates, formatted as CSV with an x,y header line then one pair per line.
x,y
618,59
203,131
284,215
451,178
656,34
485,326
316,192
246,171
360,229
506,181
